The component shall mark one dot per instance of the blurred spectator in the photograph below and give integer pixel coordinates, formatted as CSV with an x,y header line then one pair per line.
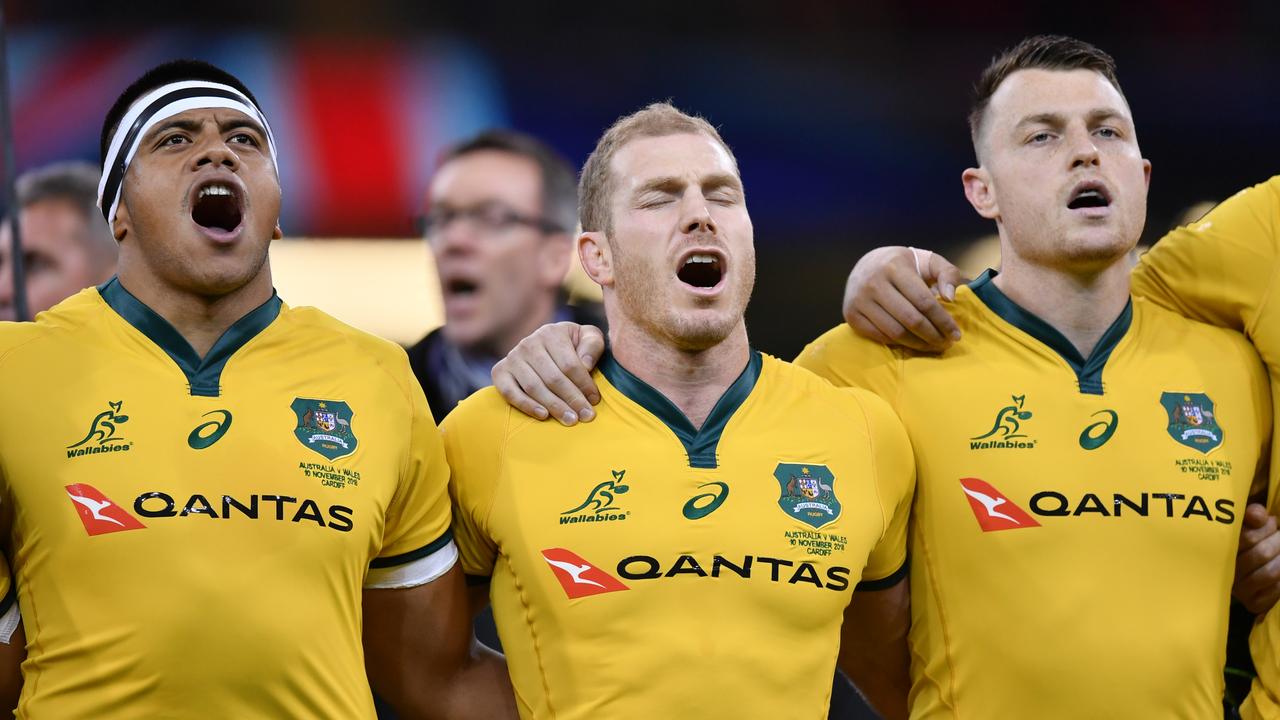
x,y
502,209
66,244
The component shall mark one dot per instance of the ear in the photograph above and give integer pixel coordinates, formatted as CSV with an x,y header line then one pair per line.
x,y
120,226
596,257
980,192
276,232
554,255
1146,172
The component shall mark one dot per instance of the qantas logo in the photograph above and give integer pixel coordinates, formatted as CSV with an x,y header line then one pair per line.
x,y
993,510
100,515
578,577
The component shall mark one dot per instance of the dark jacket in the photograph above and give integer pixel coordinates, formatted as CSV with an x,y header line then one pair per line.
x,y
448,376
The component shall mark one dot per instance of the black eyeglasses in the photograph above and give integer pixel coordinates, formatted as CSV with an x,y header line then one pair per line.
x,y
489,217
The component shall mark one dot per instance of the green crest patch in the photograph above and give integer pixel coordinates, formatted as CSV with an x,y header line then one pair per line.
x,y
808,493
1192,421
325,426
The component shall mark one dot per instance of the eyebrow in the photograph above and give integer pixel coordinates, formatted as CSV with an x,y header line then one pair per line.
x,y
193,126
1058,119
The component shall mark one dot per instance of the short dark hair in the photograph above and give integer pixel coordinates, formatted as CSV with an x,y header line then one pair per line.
x,y
1039,52
163,74
559,182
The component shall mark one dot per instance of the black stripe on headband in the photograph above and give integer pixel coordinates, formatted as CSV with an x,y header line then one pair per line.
x,y
118,168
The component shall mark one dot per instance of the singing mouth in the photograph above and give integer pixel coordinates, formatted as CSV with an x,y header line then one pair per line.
x,y
701,269
218,206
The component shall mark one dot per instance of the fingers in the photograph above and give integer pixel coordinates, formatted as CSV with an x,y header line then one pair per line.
x,y
918,309
590,348
562,369
542,380
940,273
886,324
1257,583
504,380
1255,515
1259,590
889,290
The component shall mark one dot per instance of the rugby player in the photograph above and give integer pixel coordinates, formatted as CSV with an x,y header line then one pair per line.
x,y
693,552
1084,457
218,505
1219,269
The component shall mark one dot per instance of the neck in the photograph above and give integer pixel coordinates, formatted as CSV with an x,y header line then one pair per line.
x,y
200,319
1080,305
538,313
693,380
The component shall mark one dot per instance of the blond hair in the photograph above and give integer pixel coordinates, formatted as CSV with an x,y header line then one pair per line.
x,y
595,187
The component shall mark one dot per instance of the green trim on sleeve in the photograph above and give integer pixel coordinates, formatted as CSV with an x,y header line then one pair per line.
x,y
405,558
887,582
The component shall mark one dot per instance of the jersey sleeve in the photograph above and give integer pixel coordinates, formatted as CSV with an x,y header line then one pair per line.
x,y
1260,393
848,360
895,481
1219,269
417,545
474,435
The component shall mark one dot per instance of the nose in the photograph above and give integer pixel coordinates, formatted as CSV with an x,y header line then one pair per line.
x,y
1084,152
695,215
456,236
215,151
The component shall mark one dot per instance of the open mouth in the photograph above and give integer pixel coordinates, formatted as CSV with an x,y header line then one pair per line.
x,y
1089,195
459,287
701,270
217,207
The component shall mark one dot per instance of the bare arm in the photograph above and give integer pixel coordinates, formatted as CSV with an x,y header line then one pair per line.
x,y
890,298
12,654
873,647
549,373
421,655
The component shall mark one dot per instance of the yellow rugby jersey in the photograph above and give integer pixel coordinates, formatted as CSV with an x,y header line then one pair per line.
x,y
641,568
191,538
1076,520
1224,269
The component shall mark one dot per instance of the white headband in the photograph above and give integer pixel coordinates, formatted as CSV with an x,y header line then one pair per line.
x,y
156,106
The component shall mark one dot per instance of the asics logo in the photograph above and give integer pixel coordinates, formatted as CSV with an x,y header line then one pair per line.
x,y
210,432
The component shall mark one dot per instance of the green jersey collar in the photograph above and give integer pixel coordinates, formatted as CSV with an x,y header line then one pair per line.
x,y
203,374
1088,370
699,443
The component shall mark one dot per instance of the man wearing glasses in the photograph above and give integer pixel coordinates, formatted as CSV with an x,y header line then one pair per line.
x,y
500,213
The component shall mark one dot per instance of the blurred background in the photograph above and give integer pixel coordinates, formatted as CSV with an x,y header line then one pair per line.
x,y
848,119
